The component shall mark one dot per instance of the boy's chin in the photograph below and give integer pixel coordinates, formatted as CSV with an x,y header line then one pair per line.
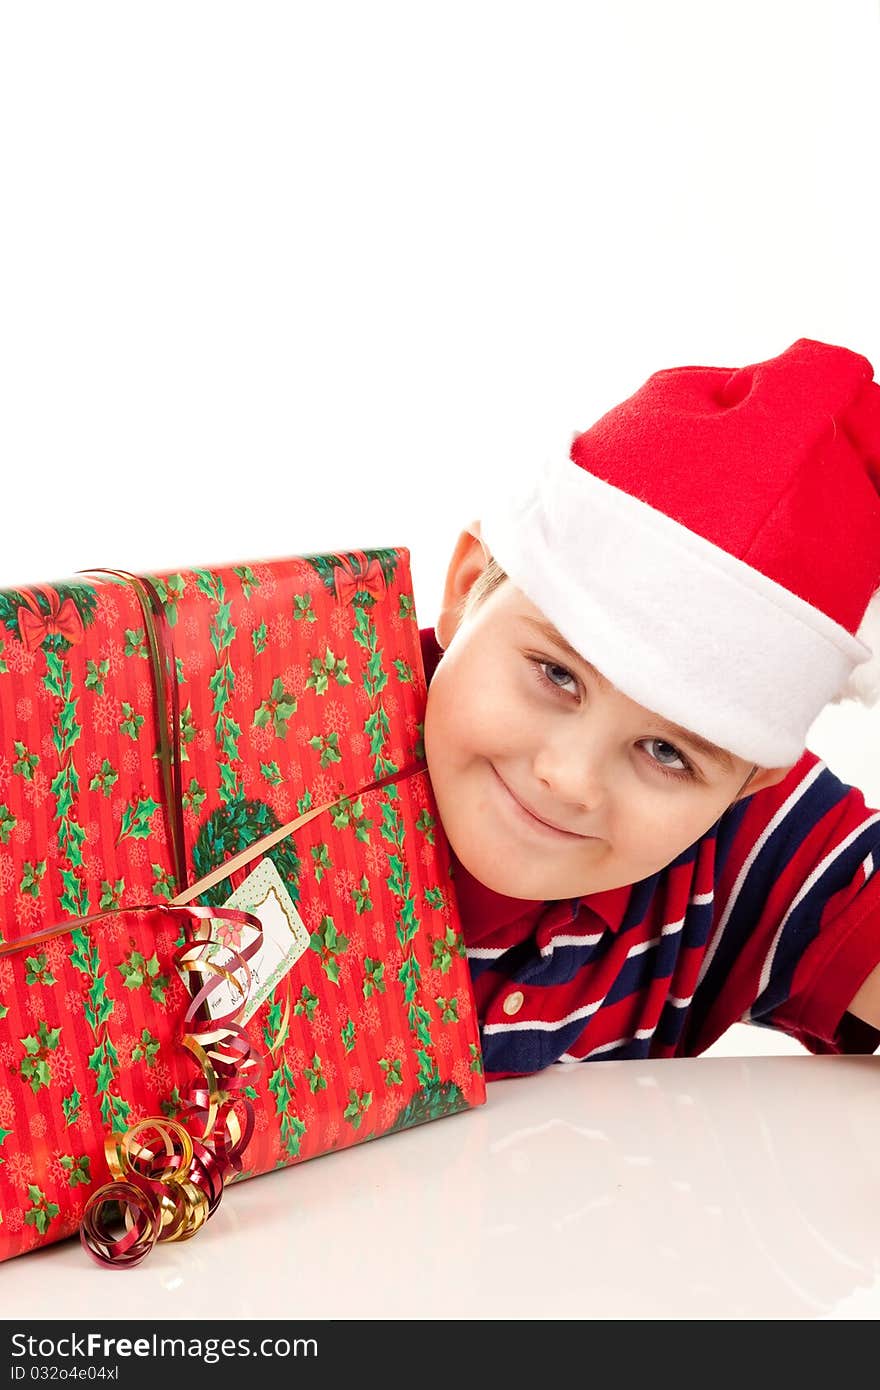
x,y
496,875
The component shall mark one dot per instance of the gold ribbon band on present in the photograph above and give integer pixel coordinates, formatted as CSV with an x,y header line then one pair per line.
x,y
164,670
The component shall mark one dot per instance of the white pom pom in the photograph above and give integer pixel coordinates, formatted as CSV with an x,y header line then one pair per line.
x,y
863,684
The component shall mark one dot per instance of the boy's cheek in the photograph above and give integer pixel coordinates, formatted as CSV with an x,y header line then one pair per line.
x,y
462,721
434,737
440,715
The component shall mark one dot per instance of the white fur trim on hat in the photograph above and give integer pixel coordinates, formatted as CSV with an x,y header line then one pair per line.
x,y
675,622
863,683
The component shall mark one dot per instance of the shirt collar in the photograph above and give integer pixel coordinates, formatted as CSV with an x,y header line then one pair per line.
x,y
488,911
431,651
610,904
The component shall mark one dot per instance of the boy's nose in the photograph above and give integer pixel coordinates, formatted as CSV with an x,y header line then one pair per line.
x,y
575,779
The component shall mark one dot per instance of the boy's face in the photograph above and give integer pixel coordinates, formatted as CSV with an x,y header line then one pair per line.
x,y
514,721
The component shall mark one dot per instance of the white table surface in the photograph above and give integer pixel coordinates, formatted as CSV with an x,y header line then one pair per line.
x,y
714,1187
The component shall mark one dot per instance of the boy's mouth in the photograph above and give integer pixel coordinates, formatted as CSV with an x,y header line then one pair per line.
x,y
529,818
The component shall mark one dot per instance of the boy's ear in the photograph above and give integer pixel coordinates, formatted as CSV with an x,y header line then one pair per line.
x,y
469,558
764,777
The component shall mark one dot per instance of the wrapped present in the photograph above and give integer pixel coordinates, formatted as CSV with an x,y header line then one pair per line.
x,y
229,940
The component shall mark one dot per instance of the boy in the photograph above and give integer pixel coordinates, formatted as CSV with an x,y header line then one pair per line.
x,y
625,666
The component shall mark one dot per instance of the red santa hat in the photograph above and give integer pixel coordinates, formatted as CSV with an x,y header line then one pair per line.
x,y
712,545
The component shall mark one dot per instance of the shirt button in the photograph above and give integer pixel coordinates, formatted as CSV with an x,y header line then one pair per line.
x,y
514,1002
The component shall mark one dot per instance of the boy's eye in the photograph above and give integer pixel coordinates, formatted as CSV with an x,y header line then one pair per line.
x,y
666,767
550,674
555,670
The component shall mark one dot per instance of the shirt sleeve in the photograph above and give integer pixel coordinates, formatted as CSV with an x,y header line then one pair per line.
x,y
797,911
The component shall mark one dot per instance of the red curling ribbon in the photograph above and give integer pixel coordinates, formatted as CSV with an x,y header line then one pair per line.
x,y
140,1234
167,1191
35,626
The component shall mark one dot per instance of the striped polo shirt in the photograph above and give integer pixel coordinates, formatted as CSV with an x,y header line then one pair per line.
x,y
772,917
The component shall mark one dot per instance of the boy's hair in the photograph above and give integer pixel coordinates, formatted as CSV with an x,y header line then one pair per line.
x,y
482,587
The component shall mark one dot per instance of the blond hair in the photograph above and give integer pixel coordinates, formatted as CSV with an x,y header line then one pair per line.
x,y
485,584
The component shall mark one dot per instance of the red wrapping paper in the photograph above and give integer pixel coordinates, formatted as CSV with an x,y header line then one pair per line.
x,y
288,684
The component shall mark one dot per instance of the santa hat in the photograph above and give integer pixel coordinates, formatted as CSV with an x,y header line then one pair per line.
x,y
712,545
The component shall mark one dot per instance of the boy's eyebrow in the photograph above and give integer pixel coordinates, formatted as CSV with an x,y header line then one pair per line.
x,y
702,745
549,631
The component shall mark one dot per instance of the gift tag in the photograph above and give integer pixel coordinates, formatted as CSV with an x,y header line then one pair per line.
x,y
285,939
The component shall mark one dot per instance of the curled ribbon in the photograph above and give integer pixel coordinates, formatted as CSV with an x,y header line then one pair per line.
x,y
166,1191
171,1197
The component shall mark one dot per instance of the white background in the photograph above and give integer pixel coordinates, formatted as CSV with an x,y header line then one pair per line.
x,y
292,277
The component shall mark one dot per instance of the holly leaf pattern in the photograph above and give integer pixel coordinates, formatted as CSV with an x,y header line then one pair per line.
x,y
302,609
77,1169
136,819
42,1211
131,721
276,710
327,669
96,671
35,1065
7,824
30,879
329,945
137,972
358,1104
136,642
373,973
25,763
111,894
105,780
70,1106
